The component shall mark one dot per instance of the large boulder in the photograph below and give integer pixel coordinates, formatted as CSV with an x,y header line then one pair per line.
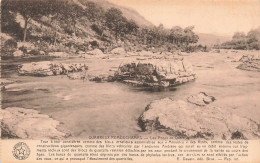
x,y
42,52
201,99
186,120
155,72
118,51
29,124
47,68
95,52
18,53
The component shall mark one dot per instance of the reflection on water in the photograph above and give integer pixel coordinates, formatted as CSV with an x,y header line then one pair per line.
x,y
89,108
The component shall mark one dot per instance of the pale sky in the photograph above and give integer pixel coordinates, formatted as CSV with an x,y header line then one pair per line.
x,y
222,17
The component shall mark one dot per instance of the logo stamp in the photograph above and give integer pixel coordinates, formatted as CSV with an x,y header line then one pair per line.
x,y
21,151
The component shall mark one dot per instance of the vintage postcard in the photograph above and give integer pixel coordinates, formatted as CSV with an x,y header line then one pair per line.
x,y
130,81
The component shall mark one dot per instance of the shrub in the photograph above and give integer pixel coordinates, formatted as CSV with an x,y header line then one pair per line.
x,y
10,45
97,29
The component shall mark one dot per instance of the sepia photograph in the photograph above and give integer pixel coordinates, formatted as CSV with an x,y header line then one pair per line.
x,y
86,69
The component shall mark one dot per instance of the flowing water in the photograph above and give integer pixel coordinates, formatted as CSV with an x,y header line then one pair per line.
x,y
88,108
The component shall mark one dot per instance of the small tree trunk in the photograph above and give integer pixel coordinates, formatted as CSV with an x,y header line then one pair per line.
x,y
74,26
55,38
116,35
55,26
26,20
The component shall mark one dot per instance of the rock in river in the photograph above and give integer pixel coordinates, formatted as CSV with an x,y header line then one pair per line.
x,y
4,82
250,63
47,68
201,99
186,120
250,66
29,124
162,73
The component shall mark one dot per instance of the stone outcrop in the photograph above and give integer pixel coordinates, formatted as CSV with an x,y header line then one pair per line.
x,y
187,120
47,68
29,124
250,62
162,73
118,51
250,66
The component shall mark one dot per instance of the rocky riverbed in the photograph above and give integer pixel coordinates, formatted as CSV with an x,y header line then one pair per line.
x,y
196,117
29,124
87,95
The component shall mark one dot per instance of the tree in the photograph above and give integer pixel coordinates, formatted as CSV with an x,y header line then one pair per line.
x,y
176,34
131,26
9,24
57,11
160,34
93,12
239,36
243,42
143,35
189,36
65,13
253,39
29,9
116,22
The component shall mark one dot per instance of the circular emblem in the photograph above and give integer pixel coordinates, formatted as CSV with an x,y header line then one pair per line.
x,y
21,151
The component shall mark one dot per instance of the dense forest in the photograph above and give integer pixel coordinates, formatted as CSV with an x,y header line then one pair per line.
x,y
77,25
241,41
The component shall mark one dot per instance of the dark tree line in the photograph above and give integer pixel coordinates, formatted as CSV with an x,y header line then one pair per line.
x,y
241,41
109,24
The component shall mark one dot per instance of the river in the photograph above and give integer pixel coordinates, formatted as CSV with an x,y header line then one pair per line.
x,y
111,108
